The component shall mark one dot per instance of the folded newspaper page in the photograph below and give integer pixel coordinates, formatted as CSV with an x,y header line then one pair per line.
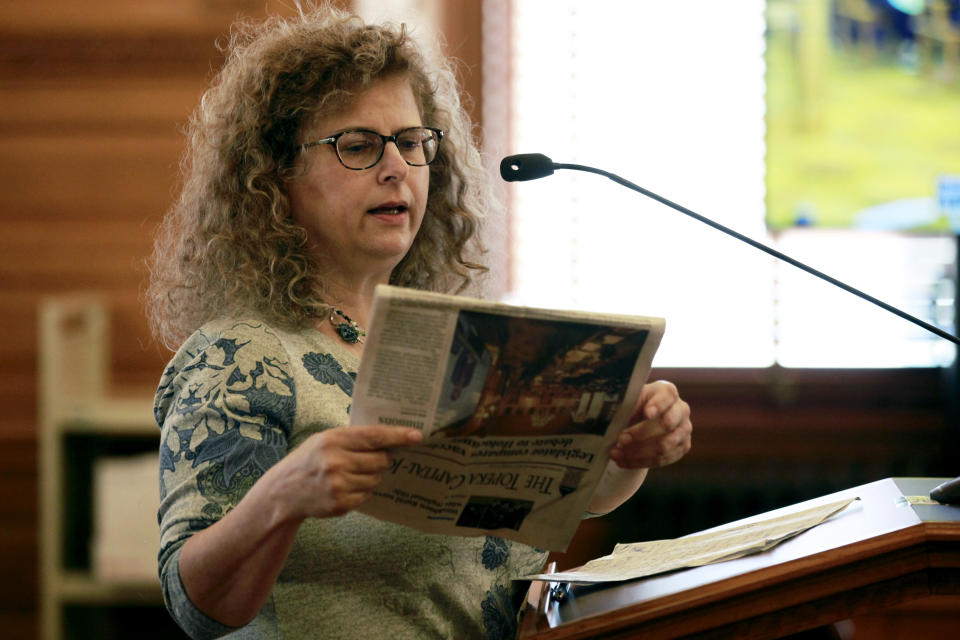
x,y
640,559
518,407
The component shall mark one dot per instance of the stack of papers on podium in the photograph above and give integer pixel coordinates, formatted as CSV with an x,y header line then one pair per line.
x,y
639,559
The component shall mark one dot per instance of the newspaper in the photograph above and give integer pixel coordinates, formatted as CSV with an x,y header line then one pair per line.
x,y
641,559
518,407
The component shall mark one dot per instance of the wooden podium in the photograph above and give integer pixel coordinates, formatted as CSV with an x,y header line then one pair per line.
x,y
880,551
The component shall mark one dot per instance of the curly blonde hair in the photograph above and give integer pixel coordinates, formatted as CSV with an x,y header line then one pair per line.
x,y
229,244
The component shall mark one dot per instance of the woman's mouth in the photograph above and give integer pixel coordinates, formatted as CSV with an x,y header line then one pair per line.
x,y
389,210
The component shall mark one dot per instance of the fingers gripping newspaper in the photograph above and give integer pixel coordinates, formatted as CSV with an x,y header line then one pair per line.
x,y
518,407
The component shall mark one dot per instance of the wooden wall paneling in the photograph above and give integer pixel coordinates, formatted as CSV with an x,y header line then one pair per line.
x,y
137,359
38,104
18,382
18,538
190,18
460,23
106,176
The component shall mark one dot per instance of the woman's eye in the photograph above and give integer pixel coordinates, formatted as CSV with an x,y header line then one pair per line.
x,y
356,147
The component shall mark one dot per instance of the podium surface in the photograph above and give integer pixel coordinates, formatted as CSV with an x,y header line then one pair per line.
x,y
881,551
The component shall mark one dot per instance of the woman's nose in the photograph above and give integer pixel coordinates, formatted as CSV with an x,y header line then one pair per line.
x,y
392,164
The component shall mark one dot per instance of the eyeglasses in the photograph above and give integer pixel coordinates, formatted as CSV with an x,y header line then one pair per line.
x,y
360,149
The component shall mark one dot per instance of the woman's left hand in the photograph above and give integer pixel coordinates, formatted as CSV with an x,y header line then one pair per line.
x,y
660,431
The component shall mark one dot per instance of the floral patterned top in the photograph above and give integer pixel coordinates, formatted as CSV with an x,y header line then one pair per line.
x,y
236,397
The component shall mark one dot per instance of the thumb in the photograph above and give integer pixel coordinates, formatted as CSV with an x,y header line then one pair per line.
x,y
645,409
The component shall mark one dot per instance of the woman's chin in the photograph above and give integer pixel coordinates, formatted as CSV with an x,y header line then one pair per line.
x,y
390,253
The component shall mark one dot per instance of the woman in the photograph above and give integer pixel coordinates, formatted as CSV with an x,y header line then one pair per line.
x,y
327,157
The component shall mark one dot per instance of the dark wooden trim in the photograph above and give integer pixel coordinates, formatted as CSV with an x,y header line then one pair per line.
x,y
54,54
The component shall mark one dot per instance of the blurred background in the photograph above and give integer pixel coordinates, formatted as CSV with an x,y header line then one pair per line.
x,y
829,129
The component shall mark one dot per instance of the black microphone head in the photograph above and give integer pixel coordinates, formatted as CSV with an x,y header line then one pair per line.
x,y
525,166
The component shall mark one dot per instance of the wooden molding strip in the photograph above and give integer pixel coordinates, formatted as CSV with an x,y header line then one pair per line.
x,y
111,54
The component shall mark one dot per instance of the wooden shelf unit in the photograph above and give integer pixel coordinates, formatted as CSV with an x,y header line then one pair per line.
x,y
80,422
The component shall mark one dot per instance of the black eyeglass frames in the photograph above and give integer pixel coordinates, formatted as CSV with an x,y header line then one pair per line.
x,y
359,149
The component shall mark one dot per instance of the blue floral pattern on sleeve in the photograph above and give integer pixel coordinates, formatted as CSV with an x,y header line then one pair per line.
x,y
233,420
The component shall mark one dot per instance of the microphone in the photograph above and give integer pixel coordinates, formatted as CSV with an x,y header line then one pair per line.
x,y
531,166
526,166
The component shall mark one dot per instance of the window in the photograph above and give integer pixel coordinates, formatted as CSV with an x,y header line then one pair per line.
x,y
670,95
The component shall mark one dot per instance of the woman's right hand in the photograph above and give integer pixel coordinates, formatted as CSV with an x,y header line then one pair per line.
x,y
336,470
229,568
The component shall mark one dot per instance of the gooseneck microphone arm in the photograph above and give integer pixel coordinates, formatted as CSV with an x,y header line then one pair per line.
x,y
530,166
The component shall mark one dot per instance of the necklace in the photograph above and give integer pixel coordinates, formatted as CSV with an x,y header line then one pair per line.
x,y
348,329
